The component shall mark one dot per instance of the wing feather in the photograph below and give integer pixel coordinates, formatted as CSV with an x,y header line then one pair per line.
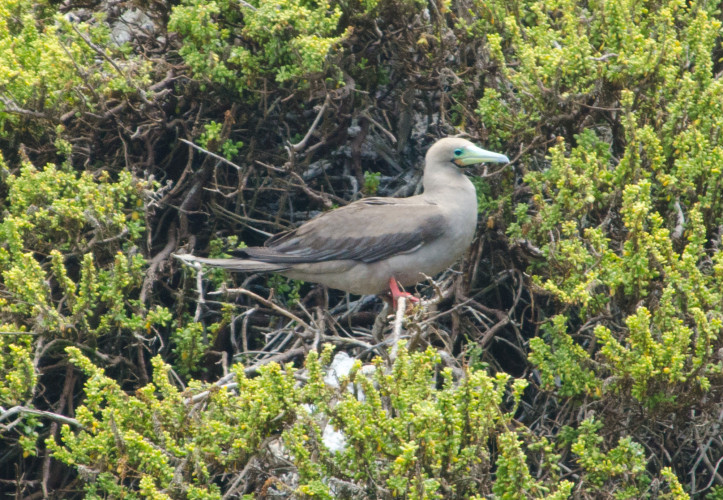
x,y
368,230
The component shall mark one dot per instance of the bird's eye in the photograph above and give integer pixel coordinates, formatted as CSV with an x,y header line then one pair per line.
x,y
457,152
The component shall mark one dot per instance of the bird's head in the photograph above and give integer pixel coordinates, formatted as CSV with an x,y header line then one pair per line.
x,y
461,152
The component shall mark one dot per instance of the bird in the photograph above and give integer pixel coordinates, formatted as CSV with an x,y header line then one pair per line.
x,y
377,243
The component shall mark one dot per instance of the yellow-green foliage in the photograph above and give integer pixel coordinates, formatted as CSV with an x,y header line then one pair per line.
x,y
615,108
514,481
404,434
676,489
57,208
625,211
49,64
561,360
211,137
237,43
55,215
67,270
34,64
620,471
190,342
17,373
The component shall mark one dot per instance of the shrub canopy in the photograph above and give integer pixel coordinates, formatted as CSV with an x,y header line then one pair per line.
x,y
575,353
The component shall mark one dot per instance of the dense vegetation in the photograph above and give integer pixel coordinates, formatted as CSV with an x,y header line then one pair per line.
x,y
576,353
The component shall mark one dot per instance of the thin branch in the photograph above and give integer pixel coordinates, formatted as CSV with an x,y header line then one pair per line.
x,y
23,410
270,304
677,233
247,6
225,381
397,330
302,144
321,198
101,53
381,127
212,155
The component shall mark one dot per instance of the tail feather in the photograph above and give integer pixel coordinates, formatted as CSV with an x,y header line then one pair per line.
x,y
244,265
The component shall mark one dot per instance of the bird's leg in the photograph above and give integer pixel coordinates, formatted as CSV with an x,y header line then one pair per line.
x,y
396,293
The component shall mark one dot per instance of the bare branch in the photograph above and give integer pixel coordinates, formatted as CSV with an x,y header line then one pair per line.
x,y
23,410
295,148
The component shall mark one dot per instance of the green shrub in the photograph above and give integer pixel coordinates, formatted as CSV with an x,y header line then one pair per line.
x,y
558,356
55,217
235,44
50,64
16,367
615,110
69,270
620,471
624,215
403,436
514,481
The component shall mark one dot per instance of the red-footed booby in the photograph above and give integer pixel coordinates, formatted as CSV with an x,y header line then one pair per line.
x,y
375,243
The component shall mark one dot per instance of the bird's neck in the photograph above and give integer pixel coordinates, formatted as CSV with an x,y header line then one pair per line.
x,y
446,179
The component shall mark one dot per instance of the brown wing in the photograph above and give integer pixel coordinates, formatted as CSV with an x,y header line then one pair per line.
x,y
368,230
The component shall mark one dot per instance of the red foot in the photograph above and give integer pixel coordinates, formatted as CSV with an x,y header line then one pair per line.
x,y
396,293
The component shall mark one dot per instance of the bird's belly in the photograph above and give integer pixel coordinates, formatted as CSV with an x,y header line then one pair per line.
x,y
373,278
427,262
349,276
